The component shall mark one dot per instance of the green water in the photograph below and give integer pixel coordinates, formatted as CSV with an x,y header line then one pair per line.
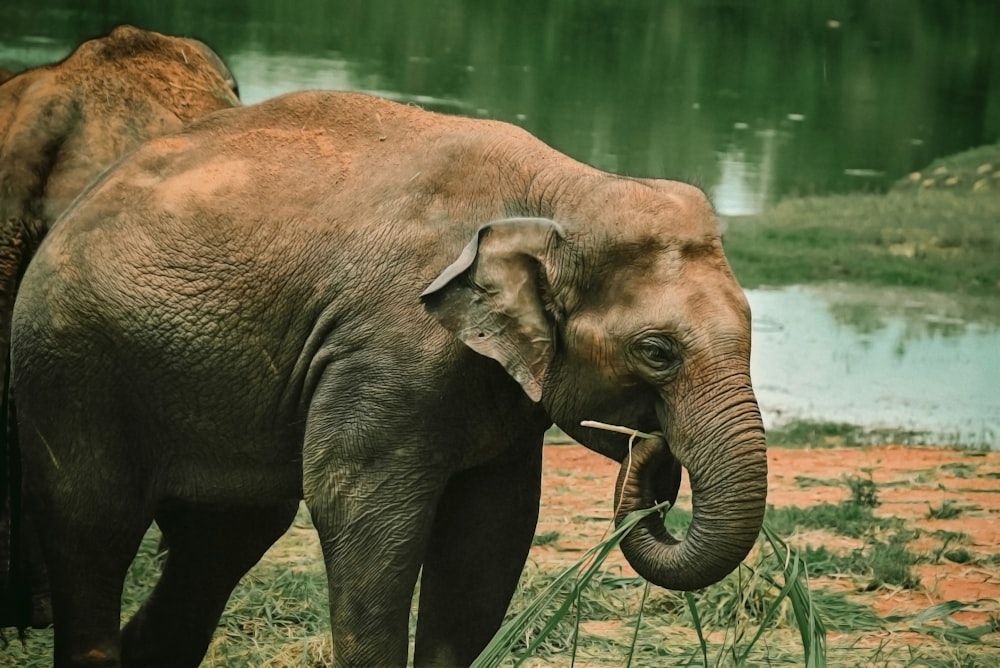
x,y
750,100
753,101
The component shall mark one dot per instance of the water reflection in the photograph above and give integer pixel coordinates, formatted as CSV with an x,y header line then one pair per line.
x,y
262,76
744,185
269,75
895,360
858,95
751,103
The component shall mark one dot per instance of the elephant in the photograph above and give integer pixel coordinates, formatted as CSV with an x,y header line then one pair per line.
x,y
379,310
61,125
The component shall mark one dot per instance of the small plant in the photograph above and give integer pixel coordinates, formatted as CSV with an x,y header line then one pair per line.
x,y
959,555
864,492
946,511
890,564
947,538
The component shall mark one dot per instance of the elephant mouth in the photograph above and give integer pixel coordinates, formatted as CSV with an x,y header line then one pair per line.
x,y
663,476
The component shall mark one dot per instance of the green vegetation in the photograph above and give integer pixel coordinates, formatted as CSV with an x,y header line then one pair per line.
x,y
770,612
863,491
772,590
939,239
807,433
946,511
774,610
820,434
546,538
883,560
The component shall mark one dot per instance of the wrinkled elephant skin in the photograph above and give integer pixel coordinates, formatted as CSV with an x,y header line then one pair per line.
x,y
61,125
378,309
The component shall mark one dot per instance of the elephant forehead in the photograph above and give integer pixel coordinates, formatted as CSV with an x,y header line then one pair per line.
x,y
665,210
692,301
650,272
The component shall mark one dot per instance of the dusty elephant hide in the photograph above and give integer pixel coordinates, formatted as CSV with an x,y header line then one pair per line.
x,y
380,310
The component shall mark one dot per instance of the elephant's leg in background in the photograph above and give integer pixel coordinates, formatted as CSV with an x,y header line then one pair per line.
x,y
211,548
482,532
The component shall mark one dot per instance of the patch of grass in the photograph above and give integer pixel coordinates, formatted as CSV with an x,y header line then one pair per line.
x,y
564,616
959,555
890,564
808,433
823,562
807,482
543,613
877,563
882,561
846,518
546,538
960,470
931,239
936,621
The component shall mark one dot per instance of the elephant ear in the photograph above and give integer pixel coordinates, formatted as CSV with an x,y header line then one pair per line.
x,y
492,298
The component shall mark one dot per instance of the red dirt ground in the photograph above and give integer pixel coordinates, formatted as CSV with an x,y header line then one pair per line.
x,y
578,486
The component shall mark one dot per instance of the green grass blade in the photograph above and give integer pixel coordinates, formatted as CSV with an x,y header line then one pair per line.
x,y
579,574
810,625
693,607
638,623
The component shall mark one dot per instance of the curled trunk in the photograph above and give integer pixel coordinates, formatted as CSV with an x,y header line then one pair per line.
x,y
729,488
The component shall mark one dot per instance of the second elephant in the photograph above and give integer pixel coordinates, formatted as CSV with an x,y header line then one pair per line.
x,y
61,125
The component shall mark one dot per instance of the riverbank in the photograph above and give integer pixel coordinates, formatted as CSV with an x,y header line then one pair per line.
x,y
937,229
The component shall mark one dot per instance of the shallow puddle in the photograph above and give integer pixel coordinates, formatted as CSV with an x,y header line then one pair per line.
x,y
883,359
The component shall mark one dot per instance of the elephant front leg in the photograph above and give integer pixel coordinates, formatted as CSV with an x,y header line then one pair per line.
x,y
483,530
373,522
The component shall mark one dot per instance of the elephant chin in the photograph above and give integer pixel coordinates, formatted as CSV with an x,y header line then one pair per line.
x,y
714,545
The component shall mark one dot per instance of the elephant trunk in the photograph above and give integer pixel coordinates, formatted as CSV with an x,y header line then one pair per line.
x,y
727,467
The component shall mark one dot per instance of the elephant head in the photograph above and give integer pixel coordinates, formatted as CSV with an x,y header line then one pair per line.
x,y
626,312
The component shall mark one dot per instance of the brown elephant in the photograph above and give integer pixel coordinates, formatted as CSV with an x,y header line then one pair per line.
x,y
61,125
378,309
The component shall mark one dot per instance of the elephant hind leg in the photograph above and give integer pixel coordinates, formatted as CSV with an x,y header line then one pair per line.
x,y
210,549
482,533
87,555
89,524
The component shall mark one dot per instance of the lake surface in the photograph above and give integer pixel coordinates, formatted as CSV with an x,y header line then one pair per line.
x,y
751,101
914,365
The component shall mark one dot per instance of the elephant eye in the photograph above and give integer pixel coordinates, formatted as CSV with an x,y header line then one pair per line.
x,y
659,352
